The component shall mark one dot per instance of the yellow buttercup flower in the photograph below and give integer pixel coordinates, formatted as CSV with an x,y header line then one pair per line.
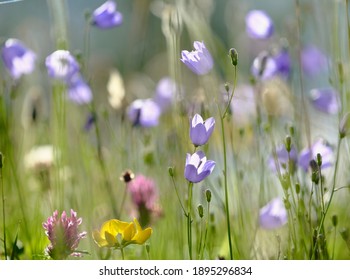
x,y
118,234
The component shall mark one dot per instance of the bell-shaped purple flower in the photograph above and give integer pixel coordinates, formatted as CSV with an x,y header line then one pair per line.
x,y
325,100
308,154
200,130
144,112
61,65
273,215
63,234
106,16
199,61
259,25
18,59
197,167
283,158
78,90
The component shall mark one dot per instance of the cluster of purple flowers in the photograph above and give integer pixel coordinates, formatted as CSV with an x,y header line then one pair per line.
x,y
197,167
302,159
146,112
278,62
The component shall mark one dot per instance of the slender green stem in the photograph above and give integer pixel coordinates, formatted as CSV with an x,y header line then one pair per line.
x,y
189,219
178,196
123,200
3,206
323,217
122,253
101,162
206,231
226,187
233,91
334,241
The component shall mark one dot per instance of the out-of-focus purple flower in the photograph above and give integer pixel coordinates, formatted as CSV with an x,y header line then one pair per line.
x,y
325,100
308,154
61,65
197,167
264,66
17,58
283,158
165,93
200,130
78,90
273,215
259,25
199,61
106,16
63,234
283,62
144,112
313,60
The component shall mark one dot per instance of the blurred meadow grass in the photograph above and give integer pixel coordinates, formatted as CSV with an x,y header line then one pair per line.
x,y
85,176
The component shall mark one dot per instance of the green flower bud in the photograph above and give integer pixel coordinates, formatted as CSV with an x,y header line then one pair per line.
x,y
208,195
200,210
335,220
234,56
288,143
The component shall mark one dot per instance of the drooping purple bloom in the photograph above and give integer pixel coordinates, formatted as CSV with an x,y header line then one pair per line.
x,y
61,65
144,112
264,66
106,16
199,61
18,59
283,158
273,215
308,154
200,130
165,93
78,90
325,100
259,25
197,167
313,60
63,234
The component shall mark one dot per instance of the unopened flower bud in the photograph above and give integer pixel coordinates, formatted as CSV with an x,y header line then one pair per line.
x,y
288,143
335,220
208,195
171,171
234,56
319,160
200,210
